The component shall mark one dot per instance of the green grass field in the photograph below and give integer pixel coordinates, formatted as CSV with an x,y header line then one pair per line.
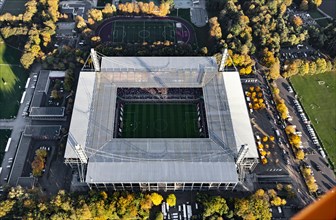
x,y
12,80
4,135
319,103
14,7
142,31
160,121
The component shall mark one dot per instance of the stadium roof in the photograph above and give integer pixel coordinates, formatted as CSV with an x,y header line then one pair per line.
x,y
239,113
81,112
155,64
158,160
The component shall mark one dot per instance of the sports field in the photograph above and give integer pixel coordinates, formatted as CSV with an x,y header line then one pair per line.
x,y
139,30
160,121
12,80
125,31
14,7
318,99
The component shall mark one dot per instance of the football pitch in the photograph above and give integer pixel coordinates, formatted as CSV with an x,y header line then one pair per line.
x,y
143,31
318,94
160,120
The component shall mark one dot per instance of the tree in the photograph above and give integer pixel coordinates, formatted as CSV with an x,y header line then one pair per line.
x,y
297,20
108,10
272,193
5,207
283,110
295,140
290,129
215,204
253,207
279,186
276,201
54,94
300,155
265,139
215,30
274,70
80,22
159,216
171,200
304,5
96,15
204,50
156,198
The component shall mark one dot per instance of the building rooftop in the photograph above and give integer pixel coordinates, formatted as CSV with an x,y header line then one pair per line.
x,y
199,160
47,112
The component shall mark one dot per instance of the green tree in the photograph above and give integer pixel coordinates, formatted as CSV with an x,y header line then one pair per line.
x,y
214,205
159,216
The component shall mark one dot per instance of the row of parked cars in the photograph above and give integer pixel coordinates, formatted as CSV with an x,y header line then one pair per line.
x,y
302,52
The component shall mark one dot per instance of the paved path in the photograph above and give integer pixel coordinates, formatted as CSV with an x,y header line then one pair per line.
x,y
17,125
298,183
7,123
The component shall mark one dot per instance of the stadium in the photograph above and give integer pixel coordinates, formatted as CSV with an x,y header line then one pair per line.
x,y
160,123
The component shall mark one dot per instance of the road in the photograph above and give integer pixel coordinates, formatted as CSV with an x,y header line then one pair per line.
x,y
269,121
326,178
17,125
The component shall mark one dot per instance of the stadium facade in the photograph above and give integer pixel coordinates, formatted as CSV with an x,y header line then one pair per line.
x,y
217,161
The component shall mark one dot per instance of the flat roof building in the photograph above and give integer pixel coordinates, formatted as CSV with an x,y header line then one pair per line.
x,y
212,162
39,109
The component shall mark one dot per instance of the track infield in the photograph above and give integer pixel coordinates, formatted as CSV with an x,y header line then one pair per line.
x,y
160,120
140,30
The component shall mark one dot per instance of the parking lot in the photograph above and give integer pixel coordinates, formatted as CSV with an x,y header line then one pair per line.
x,y
301,51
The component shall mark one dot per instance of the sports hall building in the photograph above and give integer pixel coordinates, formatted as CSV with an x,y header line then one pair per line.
x,y
107,159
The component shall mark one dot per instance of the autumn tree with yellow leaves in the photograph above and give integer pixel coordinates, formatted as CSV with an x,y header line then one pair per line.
x,y
156,198
215,29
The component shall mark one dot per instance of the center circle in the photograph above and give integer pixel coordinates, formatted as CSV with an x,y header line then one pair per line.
x,y
163,125
144,34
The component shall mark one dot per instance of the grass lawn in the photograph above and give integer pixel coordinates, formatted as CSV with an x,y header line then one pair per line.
x,y
143,31
141,120
4,135
319,103
12,81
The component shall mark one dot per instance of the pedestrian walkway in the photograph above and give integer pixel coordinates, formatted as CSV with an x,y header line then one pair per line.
x,y
7,123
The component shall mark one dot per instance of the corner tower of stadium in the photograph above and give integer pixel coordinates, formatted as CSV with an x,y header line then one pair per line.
x,y
159,123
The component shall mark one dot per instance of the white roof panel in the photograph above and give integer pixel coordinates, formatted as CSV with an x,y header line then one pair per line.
x,y
239,114
81,113
161,171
